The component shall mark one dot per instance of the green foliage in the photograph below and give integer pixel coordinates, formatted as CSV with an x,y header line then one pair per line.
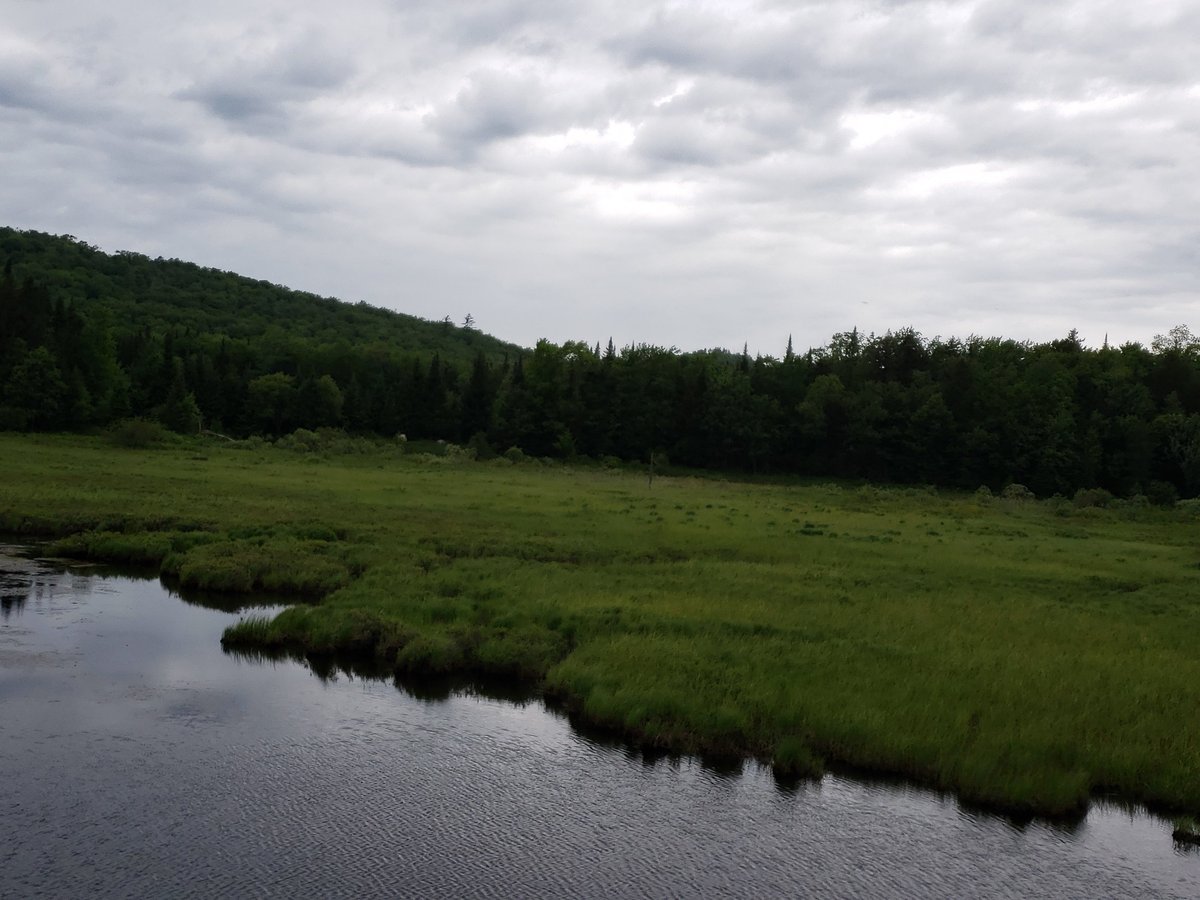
x,y
335,442
275,565
1017,492
271,402
172,294
431,654
794,758
87,339
181,414
136,433
35,390
152,548
1092,497
481,447
1161,493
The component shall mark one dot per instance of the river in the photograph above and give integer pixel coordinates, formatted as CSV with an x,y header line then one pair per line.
x,y
139,759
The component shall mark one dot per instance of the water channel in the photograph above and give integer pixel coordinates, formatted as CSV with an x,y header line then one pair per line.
x,y
138,759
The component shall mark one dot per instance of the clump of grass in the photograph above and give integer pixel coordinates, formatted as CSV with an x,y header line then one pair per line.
x,y
143,548
431,654
284,566
526,652
1186,830
252,632
794,758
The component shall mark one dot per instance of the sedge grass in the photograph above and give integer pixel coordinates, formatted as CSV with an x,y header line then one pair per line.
x,y
1024,655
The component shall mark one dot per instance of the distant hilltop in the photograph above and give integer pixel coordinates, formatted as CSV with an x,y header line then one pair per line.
x,y
163,294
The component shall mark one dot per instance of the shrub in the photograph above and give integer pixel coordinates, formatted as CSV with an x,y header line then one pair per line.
x,y
1092,497
455,453
1190,506
254,442
514,454
301,439
136,433
479,445
1017,492
1161,493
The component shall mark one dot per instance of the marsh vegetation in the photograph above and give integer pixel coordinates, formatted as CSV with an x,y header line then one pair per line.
x,y
1026,655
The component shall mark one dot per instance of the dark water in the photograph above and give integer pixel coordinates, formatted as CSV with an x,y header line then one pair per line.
x,y
137,759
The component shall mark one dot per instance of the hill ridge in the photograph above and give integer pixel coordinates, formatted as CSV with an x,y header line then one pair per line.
x,y
166,293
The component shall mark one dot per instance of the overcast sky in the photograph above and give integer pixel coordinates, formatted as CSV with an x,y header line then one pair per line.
x,y
688,174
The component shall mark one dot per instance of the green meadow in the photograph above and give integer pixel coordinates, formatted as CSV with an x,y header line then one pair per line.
x,y
1026,655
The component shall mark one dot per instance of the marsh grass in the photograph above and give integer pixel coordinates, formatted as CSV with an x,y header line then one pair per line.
x,y
309,568
1026,655
1186,830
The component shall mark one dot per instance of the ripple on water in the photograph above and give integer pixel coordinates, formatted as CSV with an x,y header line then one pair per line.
x,y
164,768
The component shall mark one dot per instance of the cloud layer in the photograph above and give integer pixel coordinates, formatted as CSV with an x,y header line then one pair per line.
x,y
696,174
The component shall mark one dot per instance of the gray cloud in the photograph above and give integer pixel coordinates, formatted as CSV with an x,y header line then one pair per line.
x,y
689,174
261,86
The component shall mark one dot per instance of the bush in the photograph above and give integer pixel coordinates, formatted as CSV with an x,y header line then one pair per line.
x,y
1092,497
514,454
301,439
480,446
1190,506
455,453
1060,505
254,443
329,441
1161,493
136,433
1017,492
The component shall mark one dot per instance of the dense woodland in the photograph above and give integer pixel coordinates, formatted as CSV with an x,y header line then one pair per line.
x,y
87,339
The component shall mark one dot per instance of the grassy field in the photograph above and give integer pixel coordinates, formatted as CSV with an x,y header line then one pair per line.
x,y
1024,655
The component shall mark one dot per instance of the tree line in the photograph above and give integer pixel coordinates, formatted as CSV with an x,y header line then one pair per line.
x,y
1055,416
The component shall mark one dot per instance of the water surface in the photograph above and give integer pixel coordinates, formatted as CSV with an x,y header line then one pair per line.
x,y
140,760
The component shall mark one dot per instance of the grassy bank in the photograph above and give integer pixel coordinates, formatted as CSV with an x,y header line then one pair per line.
x,y
1024,655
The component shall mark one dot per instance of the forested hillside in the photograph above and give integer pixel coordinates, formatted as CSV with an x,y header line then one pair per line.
x,y
169,294
87,339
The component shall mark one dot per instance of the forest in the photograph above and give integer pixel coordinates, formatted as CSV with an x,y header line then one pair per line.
x,y
88,339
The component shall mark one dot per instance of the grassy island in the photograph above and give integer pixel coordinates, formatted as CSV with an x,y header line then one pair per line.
x,y
1026,655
